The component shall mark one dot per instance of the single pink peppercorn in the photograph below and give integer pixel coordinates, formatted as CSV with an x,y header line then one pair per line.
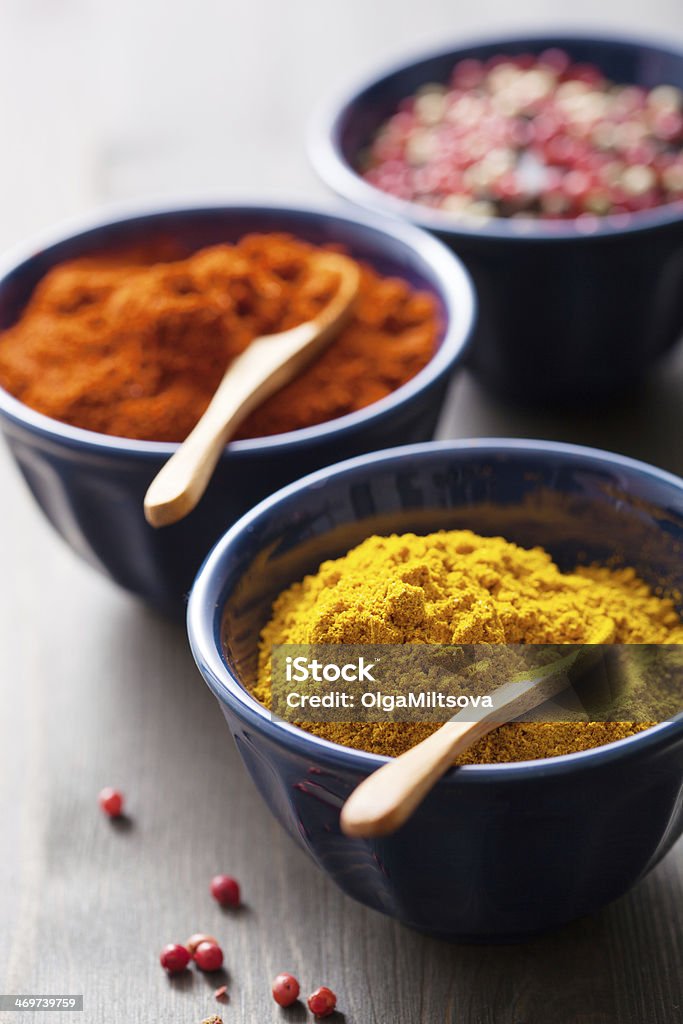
x,y
196,939
111,802
285,989
208,956
586,73
225,890
555,59
174,958
576,186
524,61
468,74
322,1002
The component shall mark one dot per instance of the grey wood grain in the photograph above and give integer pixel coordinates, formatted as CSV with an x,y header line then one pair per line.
x,y
103,102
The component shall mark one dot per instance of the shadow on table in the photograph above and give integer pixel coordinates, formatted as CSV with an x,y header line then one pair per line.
x,y
179,711
621,965
646,425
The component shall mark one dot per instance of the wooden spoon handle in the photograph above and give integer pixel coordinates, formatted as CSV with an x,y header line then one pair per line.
x,y
388,797
262,369
181,482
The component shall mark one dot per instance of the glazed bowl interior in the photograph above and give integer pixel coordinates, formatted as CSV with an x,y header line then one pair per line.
x,y
345,128
582,505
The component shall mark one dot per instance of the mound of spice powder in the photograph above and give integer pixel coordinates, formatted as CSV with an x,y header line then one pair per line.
x,y
455,587
136,349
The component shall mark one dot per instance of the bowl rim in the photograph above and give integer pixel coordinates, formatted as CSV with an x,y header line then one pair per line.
x,y
450,278
325,154
205,609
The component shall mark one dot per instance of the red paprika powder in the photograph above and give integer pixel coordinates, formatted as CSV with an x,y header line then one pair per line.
x,y
137,350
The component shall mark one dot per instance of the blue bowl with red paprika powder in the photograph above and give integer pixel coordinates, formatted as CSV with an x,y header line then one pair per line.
x,y
572,311
495,852
91,486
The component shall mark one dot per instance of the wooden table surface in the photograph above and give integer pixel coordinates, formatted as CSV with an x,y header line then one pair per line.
x,y
107,102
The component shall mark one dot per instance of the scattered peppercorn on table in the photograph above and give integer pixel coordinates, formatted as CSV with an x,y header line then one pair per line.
x,y
99,695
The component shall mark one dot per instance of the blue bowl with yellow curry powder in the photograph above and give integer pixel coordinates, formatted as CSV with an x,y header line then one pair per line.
x,y
497,851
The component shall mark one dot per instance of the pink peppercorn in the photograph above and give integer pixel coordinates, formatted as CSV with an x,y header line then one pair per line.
x,y
174,958
576,186
196,939
322,1002
225,890
668,125
557,60
111,802
468,74
208,956
586,73
525,61
285,989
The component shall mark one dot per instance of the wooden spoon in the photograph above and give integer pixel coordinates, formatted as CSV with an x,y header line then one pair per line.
x,y
388,797
263,368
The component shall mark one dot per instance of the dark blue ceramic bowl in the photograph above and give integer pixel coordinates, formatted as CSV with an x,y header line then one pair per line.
x,y
570,311
91,486
498,851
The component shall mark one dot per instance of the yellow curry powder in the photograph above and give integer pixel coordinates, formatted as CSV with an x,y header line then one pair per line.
x,y
454,587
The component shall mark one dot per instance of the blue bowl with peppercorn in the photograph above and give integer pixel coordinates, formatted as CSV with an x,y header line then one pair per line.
x,y
581,279
91,485
495,852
